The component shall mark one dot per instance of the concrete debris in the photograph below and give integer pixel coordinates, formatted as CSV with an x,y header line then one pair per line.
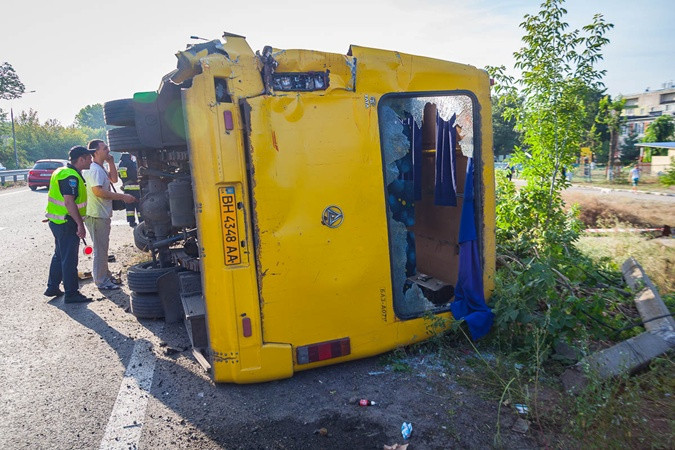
x,y
636,352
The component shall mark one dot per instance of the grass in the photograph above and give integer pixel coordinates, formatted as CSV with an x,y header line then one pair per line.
x,y
633,411
609,211
12,184
658,260
629,412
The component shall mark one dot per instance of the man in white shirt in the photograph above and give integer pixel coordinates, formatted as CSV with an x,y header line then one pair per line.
x,y
635,177
99,209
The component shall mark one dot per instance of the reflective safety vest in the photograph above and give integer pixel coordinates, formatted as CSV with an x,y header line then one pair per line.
x,y
56,205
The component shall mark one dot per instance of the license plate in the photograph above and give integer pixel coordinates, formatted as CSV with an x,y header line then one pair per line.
x,y
228,216
45,174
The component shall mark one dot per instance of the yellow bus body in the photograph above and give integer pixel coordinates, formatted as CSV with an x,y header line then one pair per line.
x,y
283,158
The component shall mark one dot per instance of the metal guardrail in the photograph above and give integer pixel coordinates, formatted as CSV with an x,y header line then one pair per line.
x,y
13,175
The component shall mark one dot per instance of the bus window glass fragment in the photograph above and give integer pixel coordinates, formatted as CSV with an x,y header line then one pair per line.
x,y
426,142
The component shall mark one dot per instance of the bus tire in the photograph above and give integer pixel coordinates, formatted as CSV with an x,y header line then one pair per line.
x,y
119,113
146,306
141,238
142,278
124,139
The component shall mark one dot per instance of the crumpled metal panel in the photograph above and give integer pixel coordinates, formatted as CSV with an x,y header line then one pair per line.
x,y
341,67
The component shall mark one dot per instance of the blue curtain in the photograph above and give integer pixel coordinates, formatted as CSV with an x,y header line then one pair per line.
x,y
415,135
469,301
446,170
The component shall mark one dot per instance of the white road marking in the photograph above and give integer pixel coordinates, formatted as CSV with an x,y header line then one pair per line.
x,y
2,228
14,192
126,420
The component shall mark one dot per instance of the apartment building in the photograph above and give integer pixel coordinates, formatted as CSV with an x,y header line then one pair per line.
x,y
641,109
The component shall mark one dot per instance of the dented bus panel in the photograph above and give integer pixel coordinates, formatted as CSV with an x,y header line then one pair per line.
x,y
317,236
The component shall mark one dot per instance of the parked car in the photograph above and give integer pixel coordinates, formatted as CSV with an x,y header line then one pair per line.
x,y
42,171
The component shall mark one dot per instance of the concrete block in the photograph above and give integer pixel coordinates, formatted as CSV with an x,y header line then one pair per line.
x,y
648,301
624,357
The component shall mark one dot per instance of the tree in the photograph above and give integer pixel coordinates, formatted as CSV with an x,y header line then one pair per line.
x,y
504,136
661,130
558,69
609,113
597,132
50,139
90,116
10,85
629,152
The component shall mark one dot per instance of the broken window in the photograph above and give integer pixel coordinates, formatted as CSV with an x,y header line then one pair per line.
x,y
426,142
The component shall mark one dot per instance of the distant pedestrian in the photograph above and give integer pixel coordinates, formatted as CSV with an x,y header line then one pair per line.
x,y
128,172
635,176
66,208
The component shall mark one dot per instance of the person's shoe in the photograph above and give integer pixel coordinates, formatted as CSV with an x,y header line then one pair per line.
x,y
108,286
56,292
111,258
76,298
132,224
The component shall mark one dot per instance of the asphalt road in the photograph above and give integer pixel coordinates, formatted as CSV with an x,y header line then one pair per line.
x,y
92,376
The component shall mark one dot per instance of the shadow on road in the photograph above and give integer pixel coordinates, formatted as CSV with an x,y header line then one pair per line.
x,y
278,414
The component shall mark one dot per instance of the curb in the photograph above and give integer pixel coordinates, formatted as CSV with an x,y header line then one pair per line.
x,y
597,188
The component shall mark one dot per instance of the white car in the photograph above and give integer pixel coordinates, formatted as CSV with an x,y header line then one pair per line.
x,y
2,167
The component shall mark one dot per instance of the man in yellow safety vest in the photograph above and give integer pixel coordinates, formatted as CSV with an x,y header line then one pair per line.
x,y
66,208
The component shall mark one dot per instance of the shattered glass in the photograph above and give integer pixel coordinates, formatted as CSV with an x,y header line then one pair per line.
x,y
409,300
447,106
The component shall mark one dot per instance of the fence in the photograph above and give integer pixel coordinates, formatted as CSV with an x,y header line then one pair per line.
x,y
13,175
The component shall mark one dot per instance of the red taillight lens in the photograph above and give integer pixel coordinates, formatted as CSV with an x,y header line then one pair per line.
x,y
323,350
229,123
31,173
246,327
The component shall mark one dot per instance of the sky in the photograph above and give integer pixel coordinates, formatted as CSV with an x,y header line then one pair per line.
x,y
74,53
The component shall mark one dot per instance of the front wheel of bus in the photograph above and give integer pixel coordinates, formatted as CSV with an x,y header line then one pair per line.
x,y
146,306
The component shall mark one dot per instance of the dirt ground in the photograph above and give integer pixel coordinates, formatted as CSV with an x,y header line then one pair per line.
x,y
606,209
319,408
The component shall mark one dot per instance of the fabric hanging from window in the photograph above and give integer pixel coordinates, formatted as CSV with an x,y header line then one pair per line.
x,y
414,133
416,150
469,301
446,170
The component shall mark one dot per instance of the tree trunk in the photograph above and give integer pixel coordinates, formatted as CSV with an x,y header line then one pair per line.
x,y
613,140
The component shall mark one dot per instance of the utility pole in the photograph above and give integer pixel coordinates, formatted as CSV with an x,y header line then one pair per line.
x,y
11,115
16,155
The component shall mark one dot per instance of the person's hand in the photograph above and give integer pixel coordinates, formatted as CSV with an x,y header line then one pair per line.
x,y
110,159
81,231
128,198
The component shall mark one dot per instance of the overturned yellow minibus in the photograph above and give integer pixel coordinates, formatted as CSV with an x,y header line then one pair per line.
x,y
303,208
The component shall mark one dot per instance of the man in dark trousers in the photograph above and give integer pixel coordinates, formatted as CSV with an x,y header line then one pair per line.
x,y
66,208
128,173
